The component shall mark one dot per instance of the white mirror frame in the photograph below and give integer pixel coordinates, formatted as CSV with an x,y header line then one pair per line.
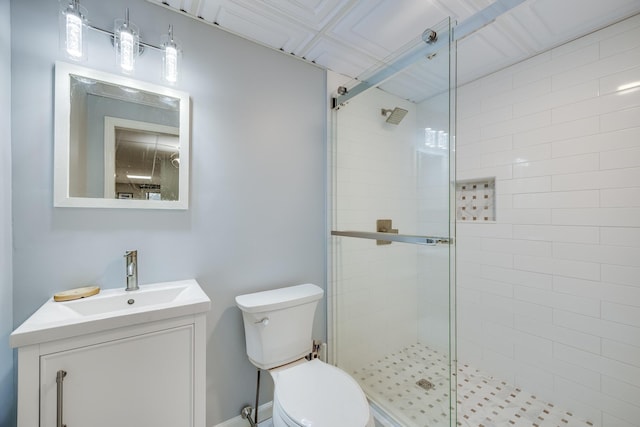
x,y
62,138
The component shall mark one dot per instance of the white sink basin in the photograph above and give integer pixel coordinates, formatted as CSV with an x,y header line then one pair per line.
x,y
111,308
122,300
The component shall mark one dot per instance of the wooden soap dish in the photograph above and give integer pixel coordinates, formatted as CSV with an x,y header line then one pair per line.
x,y
77,293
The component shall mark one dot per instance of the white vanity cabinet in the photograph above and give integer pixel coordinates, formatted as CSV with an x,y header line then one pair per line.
x,y
144,372
136,381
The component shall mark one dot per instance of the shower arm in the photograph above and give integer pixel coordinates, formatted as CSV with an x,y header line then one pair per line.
x,y
403,238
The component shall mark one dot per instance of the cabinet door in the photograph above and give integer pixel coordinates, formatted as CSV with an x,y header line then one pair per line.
x,y
145,380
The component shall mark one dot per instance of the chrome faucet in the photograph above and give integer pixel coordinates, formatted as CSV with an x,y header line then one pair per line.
x,y
132,270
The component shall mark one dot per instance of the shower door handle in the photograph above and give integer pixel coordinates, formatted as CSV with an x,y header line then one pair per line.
x,y
403,238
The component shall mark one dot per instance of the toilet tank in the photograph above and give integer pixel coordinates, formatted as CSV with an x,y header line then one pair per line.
x,y
278,323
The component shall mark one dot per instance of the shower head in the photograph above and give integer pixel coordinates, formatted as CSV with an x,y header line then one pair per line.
x,y
394,116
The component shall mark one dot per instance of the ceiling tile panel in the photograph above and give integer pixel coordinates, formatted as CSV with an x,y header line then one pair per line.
x,y
553,22
315,14
189,6
487,51
250,20
421,81
209,10
382,26
511,29
351,36
334,56
176,4
462,9
577,16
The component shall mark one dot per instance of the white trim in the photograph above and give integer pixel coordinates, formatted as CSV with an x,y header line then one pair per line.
x,y
264,413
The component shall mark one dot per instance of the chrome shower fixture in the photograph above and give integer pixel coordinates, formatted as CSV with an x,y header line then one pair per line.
x,y
429,36
394,116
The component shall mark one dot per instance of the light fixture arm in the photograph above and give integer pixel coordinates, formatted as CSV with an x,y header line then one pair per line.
x,y
143,45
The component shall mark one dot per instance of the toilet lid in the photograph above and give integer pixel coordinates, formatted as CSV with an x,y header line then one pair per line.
x,y
316,394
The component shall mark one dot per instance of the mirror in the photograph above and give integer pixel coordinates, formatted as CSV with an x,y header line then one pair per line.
x,y
119,143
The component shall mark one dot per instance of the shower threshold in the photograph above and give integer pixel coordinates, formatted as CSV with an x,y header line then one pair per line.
x,y
392,384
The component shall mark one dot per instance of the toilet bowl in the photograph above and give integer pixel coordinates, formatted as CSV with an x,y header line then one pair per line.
x,y
313,393
307,393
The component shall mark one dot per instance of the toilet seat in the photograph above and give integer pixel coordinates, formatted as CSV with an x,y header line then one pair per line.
x,y
315,394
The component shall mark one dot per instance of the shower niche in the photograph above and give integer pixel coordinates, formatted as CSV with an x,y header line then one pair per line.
x,y
476,200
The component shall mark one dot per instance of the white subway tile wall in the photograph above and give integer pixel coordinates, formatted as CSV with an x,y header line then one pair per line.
x,y
374,287
549,294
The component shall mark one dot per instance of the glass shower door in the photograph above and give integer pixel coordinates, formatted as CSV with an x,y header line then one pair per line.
x,y
392,255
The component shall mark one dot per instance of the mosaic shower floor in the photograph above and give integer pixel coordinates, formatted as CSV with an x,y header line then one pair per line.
x,y
483,401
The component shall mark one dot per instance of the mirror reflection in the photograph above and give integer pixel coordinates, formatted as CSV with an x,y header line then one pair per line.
x,y
124,142
146,163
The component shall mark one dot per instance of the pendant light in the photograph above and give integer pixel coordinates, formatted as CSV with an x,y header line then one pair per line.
x,y
127,43
73,30
170,58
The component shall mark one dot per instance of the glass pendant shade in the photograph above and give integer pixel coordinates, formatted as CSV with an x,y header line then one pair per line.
x,y
73,30
171,54
127,44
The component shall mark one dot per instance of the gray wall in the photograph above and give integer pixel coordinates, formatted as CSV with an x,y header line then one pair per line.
x,y
256,219
7,396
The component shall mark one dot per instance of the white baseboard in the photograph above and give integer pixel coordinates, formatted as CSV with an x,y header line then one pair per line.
x,y
264,413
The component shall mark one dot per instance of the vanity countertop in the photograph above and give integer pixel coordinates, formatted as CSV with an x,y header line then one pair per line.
x,y
111,309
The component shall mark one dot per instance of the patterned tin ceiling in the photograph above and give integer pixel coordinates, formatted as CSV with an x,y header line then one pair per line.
x,y
351,36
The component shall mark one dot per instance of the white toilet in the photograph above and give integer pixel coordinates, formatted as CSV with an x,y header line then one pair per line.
x,y
278,327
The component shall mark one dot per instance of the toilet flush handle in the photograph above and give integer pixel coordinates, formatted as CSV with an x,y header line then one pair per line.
x,y
264,321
